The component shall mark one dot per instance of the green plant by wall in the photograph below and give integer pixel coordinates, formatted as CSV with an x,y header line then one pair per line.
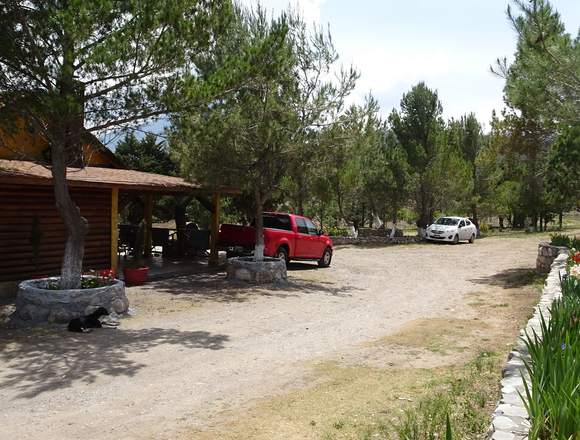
x,y
553,396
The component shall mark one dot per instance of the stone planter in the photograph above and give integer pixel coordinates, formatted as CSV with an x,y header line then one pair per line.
x,y
546,256
269,270
35,303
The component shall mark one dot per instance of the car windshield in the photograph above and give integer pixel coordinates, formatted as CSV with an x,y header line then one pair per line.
x,y
446,221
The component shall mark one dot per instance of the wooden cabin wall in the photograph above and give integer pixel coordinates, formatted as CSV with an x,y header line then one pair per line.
x,y
32,235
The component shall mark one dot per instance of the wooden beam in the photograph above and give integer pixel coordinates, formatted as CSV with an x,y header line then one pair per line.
x,y
215,226
114,227
148,217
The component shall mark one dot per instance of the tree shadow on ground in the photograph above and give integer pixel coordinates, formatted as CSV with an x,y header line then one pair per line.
x,y
512,278
215,287
295,266
42,359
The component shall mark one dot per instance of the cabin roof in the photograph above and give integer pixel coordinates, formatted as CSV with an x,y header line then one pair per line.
x,y
24,172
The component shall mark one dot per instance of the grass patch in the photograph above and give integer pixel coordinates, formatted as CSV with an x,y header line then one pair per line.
x,y
461,398
439,335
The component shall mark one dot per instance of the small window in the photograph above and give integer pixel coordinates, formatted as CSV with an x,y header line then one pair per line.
x,y
277,222
311,227
461,224
467,222
301,224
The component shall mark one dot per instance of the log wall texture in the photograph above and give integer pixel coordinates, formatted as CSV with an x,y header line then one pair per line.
x,y
32,235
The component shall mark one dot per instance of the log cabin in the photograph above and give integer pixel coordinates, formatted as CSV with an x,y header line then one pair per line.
x,y
32,234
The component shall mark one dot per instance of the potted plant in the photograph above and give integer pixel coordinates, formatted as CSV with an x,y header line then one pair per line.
x,y
136,272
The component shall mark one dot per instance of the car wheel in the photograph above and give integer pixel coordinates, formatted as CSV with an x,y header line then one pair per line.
x,y
456,239
326,258
282,253
472,239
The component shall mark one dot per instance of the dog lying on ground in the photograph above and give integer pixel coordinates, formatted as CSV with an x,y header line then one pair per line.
x,y
84,324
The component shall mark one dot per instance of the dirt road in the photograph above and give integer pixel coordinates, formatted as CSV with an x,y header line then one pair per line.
x,y
199,347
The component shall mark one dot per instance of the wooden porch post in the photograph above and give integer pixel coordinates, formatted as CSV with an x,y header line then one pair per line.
x,y
148,214
215,225
114,227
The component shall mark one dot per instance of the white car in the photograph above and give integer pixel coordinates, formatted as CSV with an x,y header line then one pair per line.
x,y
452,229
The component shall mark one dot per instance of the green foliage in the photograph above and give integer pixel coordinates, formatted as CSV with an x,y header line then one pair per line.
x,y
266,136
333,231
442,158
543,80
108,63
565,240
533,176
245,138
552,398
563,172
146,154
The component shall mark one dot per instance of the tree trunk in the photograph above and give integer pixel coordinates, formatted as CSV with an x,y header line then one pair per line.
x,y
180,225
259,227
560,220
300,195
76,225
394,230
474,214
501,226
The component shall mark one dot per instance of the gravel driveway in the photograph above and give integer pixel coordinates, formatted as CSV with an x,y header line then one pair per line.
x,y
199,346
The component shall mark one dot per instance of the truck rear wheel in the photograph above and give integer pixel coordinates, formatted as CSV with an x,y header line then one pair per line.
x,y
282,253
326,258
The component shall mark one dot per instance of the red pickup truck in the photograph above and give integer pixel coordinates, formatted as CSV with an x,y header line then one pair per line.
x,y
287,236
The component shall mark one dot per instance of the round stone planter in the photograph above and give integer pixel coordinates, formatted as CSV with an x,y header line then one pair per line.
x,y
35,303
547,253
269,270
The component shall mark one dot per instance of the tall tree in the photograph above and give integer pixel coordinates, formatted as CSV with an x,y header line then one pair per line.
x,y
101,64
418,127
563,172
467,137
319,100
247,138
543,82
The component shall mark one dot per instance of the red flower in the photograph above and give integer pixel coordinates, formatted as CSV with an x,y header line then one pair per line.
x,y
108,273
576,257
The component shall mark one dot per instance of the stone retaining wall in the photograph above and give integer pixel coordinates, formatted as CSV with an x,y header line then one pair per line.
x,y
338,241
36,303
386,232
546,256
510,420
270,270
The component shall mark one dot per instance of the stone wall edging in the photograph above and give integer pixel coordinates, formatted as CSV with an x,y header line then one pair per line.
x,y
510,420
341,241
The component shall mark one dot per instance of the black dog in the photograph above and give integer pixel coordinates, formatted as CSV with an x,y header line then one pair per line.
x,y
85,323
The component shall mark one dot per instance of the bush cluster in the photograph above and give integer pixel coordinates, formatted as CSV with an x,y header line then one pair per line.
x,y
553,394
565,240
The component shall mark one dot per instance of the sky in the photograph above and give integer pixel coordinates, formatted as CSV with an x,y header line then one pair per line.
x,y
449,44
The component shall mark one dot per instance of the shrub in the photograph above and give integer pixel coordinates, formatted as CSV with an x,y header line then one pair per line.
x,y
564,240
484,228
553,396
336,232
